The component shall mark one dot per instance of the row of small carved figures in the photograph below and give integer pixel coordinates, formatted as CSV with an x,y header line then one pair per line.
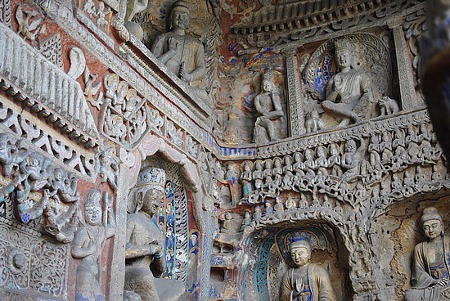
x,y
279,211
385,151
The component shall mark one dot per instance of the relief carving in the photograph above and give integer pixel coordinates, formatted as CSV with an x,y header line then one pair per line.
x,y
306,280
183,54
268,105
430,266
89,242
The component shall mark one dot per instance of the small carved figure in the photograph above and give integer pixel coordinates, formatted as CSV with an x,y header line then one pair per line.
x,y
108,166
313,122
334,161
351,160
231,174
290,203
37,169
246,179
258,175
278,209
247,220
288,172
10,156
228,224
268,104
388,106
321,162
309,164
305,281
65,185
88,245
349,95
182,53
101,13
143,252
399,138
298,165
430,270
257,215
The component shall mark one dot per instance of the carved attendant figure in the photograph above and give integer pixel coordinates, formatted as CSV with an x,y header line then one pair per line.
x,y
143,252
267,103
88,245
431,261
348,96
306,281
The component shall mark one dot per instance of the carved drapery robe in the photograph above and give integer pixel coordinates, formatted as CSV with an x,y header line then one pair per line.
x,y
317,284
426,274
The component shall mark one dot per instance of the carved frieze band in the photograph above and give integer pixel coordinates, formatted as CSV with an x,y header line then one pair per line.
x,y
320,25
46,90
79,162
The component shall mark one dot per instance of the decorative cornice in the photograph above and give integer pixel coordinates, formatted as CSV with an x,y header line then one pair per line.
x,y
44,89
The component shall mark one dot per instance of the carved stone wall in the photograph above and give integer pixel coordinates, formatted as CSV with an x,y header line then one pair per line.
x,y
350,161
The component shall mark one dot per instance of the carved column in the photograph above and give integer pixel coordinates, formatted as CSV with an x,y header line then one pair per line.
x,y
117,279
296,125
405,73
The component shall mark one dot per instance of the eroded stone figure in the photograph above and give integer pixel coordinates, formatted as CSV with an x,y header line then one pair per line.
x,y
88,245
431,260
306,281
183,54
349,95
268,105
143,251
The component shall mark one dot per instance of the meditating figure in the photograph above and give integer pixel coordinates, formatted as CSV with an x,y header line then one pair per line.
x,y
306,281
431,261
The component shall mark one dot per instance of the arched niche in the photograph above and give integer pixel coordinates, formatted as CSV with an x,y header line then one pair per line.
x,y
184,193
396,232
268,259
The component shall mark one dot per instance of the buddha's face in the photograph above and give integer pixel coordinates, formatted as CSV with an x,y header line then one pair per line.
x,y
180,19
432,228
343,57
300,255
267,85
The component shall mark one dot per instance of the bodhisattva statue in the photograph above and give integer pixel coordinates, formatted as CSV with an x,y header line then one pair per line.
x,y
349,96
182,53
267,103
88,245
431,261
143,252
306,281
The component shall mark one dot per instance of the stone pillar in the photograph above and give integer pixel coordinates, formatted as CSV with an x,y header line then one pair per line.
x,y
296,118
408,96
117,278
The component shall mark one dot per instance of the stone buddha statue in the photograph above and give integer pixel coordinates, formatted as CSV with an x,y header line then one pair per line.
x,y
143,252
268,105
182,53
430,279
306,281
349,95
